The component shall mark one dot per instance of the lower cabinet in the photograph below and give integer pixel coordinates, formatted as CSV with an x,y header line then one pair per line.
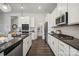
x,y
60,48
53,43
49,40
2,54
74,52
63,49
26,45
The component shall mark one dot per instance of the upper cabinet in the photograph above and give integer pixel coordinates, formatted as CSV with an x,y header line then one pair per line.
x,y
32,23
70,12
73,13
53,16
62,8
23,20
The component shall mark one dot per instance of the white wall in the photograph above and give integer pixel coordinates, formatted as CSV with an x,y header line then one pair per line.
x,y
1,23
4,23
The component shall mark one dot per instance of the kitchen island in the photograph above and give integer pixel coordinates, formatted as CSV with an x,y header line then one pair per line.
x,y
14,44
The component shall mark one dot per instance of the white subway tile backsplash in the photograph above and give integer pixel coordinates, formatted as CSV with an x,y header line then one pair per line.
x,y
69,30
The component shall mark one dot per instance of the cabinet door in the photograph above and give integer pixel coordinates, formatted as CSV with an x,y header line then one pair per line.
x,y
53,43
30,40
74,52
63,49
24,20
49,40
55,48
73,13
32,24
24,47
62,8
33,36
54,16
27,42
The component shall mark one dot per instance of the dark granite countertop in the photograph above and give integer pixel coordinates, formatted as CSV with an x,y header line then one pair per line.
x,y
74,42
6,45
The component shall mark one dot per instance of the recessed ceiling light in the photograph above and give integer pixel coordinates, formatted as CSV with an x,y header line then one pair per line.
x,y
39,7
4,6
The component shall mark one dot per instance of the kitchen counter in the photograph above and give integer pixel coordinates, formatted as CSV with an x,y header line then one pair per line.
x,y
74,42
12,43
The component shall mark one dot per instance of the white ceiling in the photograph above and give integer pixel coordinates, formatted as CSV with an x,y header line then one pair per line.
x,y
32,7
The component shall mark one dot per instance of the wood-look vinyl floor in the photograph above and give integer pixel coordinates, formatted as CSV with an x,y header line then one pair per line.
x,y
40,48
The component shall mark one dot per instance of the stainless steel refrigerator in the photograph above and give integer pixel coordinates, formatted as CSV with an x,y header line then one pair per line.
x,y
46,31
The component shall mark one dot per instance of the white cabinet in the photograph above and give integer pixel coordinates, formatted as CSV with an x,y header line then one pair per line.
x,y
74,52
54,16
26,45
2,54
63,49
23,20
33,36
55,45
73,13
32,22
62,8
49,40
60,48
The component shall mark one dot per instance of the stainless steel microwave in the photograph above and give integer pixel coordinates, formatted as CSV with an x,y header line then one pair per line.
x,y
62,20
